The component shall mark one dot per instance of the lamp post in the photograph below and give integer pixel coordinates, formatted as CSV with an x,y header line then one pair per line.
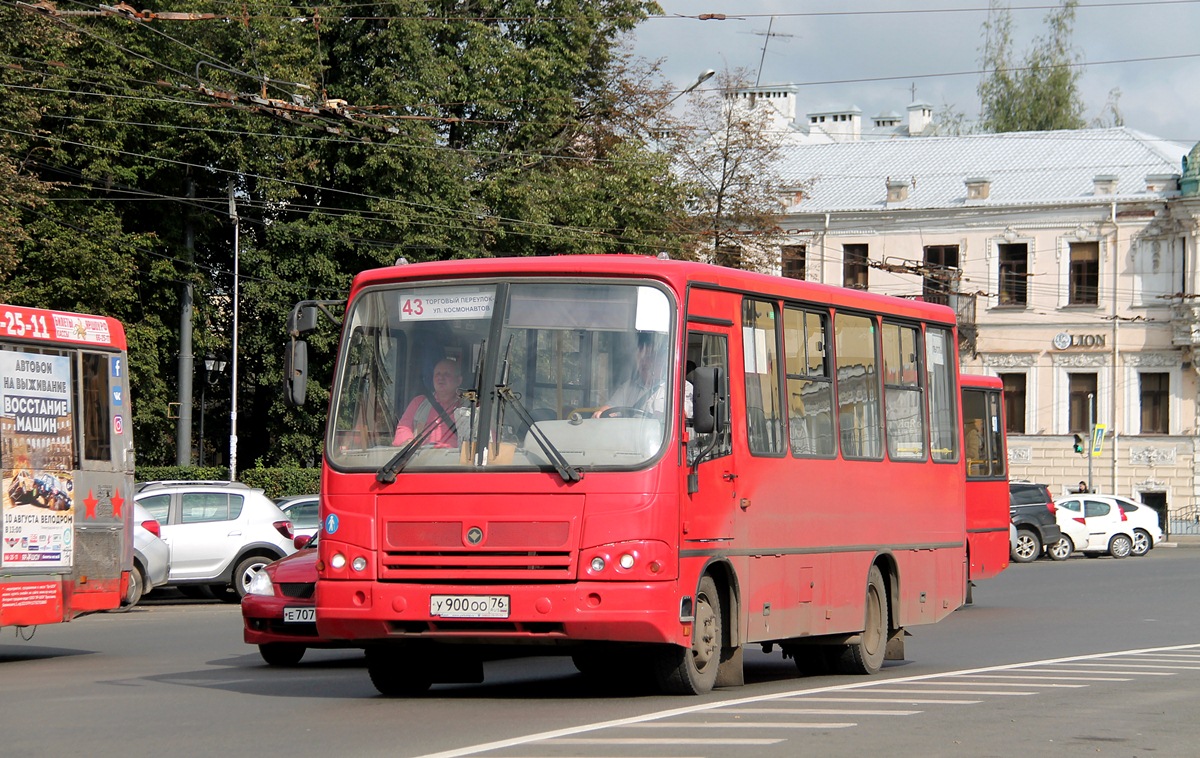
x,y
233,387
212,367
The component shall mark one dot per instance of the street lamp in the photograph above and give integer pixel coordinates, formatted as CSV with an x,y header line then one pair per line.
x,y
212,367
699,80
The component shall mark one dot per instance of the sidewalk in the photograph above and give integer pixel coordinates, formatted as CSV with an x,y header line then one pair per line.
x,y
1181,540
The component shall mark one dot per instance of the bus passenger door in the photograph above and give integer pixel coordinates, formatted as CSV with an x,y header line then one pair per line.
x,y
711,474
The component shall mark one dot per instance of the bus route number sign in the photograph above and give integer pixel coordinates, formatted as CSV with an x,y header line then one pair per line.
x,y
469,606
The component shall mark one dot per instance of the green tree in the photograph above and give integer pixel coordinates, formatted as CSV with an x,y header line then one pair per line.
x,y
425,129
1039,93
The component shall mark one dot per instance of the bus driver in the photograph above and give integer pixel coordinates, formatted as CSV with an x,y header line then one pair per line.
x,y
437,410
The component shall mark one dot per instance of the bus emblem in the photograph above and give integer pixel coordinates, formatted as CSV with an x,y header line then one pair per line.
x,y
474,535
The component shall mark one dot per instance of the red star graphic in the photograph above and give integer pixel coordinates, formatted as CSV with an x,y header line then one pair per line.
x,y
117,502
90,504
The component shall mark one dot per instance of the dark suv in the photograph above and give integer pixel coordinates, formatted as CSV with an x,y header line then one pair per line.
x,y
1032,511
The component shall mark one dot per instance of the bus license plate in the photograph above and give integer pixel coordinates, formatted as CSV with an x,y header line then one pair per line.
x,y
469,606
300,615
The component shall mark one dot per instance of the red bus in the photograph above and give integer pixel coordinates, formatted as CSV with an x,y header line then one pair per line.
x,y
986,457
66,455
648,465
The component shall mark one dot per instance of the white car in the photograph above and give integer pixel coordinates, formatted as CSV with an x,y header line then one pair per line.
x,y
1094,525
220,533
151,557
1147,532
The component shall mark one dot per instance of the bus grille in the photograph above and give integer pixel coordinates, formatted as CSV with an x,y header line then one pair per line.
x,y
442,551
442,566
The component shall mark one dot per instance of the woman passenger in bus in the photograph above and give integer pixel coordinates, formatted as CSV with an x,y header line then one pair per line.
x,y
436,410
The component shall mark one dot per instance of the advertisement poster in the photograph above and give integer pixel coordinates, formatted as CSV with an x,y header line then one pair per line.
x,y
36,452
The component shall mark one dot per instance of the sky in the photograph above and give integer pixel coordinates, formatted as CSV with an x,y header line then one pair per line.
x,y
870,53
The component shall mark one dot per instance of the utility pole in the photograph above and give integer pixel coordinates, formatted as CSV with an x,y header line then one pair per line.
x,y
183,432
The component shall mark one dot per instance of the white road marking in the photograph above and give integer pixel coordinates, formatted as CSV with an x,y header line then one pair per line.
x,y
542,737
744,725
1106,671
663,741
997,684
821,711
913,700
1054,678
975,693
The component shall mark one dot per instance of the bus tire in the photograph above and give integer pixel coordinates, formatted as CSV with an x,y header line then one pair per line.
x,y
397,672
866,655
281,653
693,670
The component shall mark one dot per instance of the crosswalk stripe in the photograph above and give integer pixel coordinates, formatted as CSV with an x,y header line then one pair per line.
x,y
1106,671
820,711
745,725
662,741
1055,678
920,701
906,691
937,683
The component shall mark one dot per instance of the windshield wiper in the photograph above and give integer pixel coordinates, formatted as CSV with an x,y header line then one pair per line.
x,y
387,473
568,472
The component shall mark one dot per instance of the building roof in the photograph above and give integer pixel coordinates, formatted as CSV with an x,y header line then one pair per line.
x,y
1023,168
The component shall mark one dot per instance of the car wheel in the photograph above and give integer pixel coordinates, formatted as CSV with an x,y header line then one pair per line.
x,y
1141,543
243,573
1120,546
137,584
1061,550
281,653
1029,546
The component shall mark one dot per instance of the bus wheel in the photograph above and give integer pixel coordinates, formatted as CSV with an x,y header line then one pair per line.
x,y
281,653
693,670
398,671
866,655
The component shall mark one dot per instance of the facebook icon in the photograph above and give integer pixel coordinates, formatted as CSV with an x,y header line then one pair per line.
x,y
116,367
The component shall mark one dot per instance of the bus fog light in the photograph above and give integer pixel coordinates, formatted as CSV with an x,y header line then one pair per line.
x,y
359,563
655,567
626,561
597,564
338,561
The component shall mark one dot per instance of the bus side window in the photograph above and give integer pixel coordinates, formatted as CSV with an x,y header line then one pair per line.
x,y
97,426
809,383
764,422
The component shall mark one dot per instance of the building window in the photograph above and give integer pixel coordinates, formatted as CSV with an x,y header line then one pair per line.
x,y
941,262
1014,274
1155,394
854,266
1080,411
1085,273
1014,403
793,261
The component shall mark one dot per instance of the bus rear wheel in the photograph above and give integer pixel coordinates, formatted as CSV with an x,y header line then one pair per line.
x,y
693,670
398,671
866,655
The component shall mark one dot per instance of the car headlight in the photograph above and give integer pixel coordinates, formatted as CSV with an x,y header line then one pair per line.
x,y
260,584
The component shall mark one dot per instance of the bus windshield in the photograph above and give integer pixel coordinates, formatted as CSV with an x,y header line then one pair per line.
x,y
534,374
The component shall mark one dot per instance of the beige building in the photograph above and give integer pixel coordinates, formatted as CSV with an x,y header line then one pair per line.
x,y
1071,258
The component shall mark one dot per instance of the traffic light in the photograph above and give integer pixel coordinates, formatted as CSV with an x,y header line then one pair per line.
x,y
1078,444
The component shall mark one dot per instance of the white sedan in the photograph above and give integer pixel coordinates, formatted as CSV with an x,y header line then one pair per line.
x,y
1093,525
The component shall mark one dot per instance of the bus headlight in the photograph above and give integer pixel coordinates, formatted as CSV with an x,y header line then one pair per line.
x,y
338,561
359,563
639,560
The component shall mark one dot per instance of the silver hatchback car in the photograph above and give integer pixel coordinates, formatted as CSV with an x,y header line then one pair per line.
x,y
220,533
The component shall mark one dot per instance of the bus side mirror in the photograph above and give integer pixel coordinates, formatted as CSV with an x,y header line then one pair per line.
x,y
303,318
707,396
295,373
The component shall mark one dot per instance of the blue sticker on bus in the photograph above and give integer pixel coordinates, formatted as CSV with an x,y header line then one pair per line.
x,y
117,368
331,523
117,395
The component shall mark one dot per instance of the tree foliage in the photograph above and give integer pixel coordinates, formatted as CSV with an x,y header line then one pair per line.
x,y
1038,93
427,129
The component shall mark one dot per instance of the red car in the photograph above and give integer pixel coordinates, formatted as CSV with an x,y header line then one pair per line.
x,y
279,611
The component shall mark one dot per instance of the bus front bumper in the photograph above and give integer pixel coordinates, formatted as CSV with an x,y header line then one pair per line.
x,y
483,614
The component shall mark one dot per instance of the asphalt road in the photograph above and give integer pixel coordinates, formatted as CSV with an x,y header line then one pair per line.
x,y
1038,666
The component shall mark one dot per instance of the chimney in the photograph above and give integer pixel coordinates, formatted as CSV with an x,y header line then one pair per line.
x,y
919,117
1162,182
1104,184
978,188
897,191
